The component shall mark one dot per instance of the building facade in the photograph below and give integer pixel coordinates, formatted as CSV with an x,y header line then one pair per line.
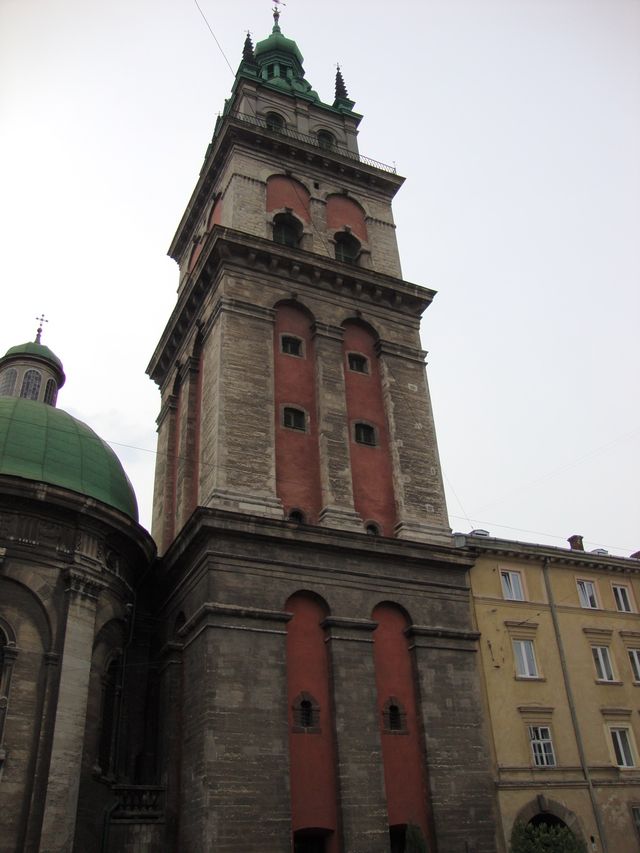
x,y
560,652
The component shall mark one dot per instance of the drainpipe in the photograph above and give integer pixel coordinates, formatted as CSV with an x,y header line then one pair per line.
x,y
572,707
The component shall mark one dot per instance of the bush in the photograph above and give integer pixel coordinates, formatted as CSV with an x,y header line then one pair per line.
x,y
414,840
545,839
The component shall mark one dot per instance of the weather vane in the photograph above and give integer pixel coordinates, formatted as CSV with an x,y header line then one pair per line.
x,y
41,319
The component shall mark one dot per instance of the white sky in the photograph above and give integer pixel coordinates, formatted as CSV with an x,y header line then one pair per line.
x,y
517,126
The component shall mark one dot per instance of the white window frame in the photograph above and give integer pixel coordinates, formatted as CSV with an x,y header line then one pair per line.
x,y
634,660
635,815
603,663
622,743
622,595
542,746
587,593
509,589
525,659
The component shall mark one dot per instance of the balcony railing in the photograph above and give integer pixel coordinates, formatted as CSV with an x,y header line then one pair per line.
x,y
311,140
138,802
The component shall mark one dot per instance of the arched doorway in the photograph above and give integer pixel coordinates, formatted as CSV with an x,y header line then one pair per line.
x,y
547,819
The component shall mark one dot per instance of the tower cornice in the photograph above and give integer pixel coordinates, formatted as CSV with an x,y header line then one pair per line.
x,y
292,148
226,249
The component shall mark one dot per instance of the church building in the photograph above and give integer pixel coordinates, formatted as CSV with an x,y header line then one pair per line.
x,y
290,664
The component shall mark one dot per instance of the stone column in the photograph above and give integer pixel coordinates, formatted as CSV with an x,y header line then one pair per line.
x,y
58,827
333,432
235,755
365,827
422,511
187,452
460,779
163,524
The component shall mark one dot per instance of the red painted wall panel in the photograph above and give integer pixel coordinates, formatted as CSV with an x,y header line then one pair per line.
x,y
371,467
297,455
285,192
343,211
312,756
404,770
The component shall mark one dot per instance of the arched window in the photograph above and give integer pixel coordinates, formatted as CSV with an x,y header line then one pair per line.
x,y
286,230
394,718
8,654
326,140
109,718
50,392
294,418
8,382
306,714
297,516
347,247
372,529
31,385
275,122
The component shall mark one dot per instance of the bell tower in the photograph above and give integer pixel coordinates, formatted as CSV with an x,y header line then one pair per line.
x,y
291,370
310,605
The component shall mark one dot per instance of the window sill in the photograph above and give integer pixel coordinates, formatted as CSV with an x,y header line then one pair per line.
x,y
530,678
611,683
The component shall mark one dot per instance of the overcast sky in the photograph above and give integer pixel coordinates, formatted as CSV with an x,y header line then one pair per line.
x,y
517,126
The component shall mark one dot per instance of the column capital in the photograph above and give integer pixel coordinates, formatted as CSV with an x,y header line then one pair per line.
x,y
79,585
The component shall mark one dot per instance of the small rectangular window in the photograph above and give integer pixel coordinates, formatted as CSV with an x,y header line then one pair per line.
x,y
291,345
542,746
358,363
525,658
622,596
634,658
512,586
622,747
602,660
294,419
587,594
365,434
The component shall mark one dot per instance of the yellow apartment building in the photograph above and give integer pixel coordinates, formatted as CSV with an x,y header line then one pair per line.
x,y
560,656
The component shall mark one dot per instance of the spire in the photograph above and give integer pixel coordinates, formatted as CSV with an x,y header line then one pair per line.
x,y
342,102
41,319
248,56
276,17
341,89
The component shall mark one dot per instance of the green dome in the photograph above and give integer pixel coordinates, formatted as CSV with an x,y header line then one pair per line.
x,y
36,350
276,42
39,442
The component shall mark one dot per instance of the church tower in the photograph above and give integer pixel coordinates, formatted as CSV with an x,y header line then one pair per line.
x,y
318,685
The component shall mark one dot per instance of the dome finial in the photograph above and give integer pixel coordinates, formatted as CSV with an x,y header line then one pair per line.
x,y
276,15
41,319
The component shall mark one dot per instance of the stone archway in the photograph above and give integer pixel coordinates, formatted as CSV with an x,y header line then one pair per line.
x,y
543,810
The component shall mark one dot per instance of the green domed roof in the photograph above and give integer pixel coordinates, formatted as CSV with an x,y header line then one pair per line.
x,y
35,350
277,42
39,442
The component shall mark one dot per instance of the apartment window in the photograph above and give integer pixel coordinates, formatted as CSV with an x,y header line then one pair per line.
x,y
525,658
622,596
512,585
294,418
634,658
542,746
622,747
291,345
587,594
365,434
635,814
602,660
358,363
